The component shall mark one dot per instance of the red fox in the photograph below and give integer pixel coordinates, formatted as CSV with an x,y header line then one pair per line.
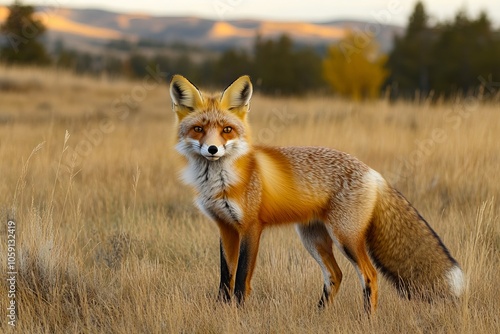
x,y
332,197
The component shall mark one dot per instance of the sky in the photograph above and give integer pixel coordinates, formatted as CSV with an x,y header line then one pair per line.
x,y
384,11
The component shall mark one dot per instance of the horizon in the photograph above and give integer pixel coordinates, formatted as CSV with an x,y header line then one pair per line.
x,y
393,12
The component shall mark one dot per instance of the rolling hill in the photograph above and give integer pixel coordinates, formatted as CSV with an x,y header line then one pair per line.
x,y
89,29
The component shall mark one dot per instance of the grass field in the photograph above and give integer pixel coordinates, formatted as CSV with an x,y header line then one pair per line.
x,y
107,238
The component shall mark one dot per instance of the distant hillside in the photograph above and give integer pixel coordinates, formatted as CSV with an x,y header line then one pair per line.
x,y
89,29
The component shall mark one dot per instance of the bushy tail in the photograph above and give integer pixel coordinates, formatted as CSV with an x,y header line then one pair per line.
x,y
407,250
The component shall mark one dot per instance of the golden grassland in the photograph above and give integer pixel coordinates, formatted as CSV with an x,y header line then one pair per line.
x,y
109,241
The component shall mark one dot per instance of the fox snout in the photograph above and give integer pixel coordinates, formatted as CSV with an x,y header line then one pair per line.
x,y
212,149
212,152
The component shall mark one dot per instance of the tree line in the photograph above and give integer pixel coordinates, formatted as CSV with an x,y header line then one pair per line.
x,y
444,58
438,59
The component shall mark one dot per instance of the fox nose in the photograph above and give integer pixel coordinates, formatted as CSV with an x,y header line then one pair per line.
x,y
212,149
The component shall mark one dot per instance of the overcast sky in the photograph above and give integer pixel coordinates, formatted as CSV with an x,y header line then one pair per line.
x,y
386,11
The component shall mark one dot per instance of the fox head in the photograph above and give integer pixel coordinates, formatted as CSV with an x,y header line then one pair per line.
x,y
211,126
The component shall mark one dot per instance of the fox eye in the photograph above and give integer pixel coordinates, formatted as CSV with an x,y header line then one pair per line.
x,y
198,129
227,129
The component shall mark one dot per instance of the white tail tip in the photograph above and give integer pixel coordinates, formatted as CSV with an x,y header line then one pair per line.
x,y
456,280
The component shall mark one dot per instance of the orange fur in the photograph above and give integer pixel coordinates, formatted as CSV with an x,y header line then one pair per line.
x,y
282,200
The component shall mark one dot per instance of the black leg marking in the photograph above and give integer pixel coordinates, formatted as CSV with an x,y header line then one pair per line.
x,y
324,297
241,272
225,277
367,293
349,255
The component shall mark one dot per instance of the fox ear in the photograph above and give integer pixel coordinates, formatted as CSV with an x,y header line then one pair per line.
x,y
237,96
185,96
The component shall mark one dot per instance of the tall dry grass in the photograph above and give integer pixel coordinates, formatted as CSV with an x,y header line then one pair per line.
x,y
109,241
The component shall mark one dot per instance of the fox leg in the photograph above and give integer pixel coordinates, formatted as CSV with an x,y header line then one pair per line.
x,y
355,250
249,246
319,244
229,249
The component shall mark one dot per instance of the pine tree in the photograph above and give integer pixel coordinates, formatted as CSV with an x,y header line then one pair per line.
x,y
465,50
22,32
410,60
284,68
231,64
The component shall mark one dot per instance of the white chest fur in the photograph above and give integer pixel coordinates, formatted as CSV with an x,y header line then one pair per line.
x,y
212,179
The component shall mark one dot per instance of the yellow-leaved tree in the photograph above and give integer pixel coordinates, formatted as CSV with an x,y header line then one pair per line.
x,y
354,67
